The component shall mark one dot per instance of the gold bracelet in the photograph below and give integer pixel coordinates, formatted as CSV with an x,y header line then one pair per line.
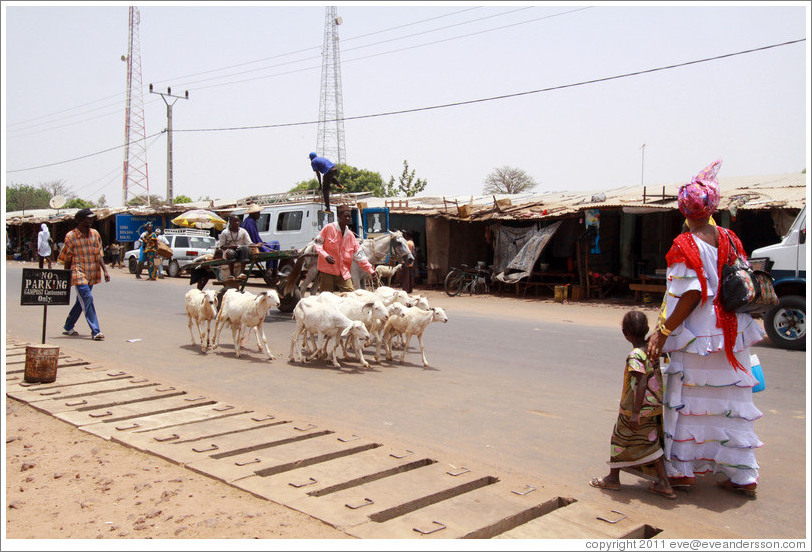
x,y
663,330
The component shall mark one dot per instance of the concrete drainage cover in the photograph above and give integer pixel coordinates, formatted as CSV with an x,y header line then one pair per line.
x,y
352,483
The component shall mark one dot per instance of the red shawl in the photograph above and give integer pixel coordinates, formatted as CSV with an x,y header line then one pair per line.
x,y
684,250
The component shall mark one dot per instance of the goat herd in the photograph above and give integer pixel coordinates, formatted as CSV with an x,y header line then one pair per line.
x,y
386,317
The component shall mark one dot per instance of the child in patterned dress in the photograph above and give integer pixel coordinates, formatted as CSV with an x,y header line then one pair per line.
x,y
636,444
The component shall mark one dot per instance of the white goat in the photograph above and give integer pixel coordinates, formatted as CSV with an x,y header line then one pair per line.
x,y
386,294
386,271
322,318
372,312
414,322
244,312
200,308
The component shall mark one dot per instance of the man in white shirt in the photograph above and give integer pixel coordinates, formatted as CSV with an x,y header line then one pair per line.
x,y
235,242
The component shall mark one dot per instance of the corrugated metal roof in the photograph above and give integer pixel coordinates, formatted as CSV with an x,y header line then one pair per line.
x,y
738,193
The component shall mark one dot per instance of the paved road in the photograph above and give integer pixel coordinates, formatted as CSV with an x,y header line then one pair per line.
x,y
525,387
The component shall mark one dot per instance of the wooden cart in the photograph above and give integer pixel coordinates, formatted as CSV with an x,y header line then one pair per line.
x,y
271,276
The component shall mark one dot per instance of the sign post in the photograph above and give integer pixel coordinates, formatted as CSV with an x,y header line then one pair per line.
x,y
45,287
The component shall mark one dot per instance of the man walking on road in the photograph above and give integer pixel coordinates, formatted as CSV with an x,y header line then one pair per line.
x,y
323,166
82,254
337,248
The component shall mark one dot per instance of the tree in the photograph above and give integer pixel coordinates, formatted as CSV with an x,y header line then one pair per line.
x,y
102,201
182,199
508,180
20,197
406,183
78,203
57,188
350,180
154,201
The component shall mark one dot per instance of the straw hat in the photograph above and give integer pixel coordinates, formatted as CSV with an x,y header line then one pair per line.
x,y
254,208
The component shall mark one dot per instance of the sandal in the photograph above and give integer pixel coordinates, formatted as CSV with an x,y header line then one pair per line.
x,y
748,490
98,337
599,483
71,333
684,481
670,495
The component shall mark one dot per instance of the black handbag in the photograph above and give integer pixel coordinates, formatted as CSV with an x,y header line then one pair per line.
x,y
742,289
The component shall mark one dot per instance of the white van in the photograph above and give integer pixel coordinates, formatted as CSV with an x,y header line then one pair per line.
x,y
786,263
292,225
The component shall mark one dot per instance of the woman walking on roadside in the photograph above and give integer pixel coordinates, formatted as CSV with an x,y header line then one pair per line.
x,y
708,405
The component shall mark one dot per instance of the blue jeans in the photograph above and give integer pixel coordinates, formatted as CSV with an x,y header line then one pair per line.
x,y
84,302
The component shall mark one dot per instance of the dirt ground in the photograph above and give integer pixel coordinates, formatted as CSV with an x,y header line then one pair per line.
x,y
62,483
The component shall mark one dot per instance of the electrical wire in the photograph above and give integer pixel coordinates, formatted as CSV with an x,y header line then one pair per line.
x,y
318,57
120,96
447,105
86,156
503,96
343,40
345,61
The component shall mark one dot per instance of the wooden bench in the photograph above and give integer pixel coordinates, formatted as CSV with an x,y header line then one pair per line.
x,y
638,288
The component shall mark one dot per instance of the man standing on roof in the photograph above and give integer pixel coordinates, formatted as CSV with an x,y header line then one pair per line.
x,y
323,166
83,256
337,248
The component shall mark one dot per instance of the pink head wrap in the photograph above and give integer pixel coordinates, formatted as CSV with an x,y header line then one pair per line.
x,y
699,198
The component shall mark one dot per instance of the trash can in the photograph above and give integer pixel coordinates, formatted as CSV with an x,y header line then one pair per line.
x,y
41,363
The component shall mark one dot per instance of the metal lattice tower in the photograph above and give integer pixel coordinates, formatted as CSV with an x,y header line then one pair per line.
x,y
136,174
330,139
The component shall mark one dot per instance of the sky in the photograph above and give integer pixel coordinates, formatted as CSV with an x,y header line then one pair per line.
x,y
253,73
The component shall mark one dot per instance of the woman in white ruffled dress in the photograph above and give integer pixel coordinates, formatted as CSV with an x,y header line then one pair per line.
x,y
708,403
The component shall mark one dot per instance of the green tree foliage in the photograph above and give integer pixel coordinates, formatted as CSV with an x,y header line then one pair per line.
x,y
508,180
20,197
350,180
406,183
102,201
78,203
182,199
154,201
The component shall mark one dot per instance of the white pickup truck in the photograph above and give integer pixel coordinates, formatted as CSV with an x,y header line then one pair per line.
x,y
786,263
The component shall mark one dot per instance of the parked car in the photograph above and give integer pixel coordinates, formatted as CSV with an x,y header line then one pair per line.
x,y
786,263
186,245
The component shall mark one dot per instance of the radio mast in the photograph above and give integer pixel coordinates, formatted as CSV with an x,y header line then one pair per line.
x,y
136,174
330,139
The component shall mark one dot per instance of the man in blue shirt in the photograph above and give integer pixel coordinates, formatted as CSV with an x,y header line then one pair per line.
x,y
323,166
250,225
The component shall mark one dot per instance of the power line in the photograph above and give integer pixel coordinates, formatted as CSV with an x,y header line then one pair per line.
x,y
228,83
118,98
447,105
512,95
310,48
83,156
187,84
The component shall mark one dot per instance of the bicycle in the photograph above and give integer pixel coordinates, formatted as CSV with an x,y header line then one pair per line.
x,y
472,280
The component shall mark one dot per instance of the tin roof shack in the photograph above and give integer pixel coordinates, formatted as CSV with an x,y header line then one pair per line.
x,y
19,225
634,225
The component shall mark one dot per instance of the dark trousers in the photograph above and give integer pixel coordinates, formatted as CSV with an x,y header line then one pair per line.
x,y
326,181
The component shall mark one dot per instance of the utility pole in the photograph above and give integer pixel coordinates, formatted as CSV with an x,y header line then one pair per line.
x,y
168,94
642,162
